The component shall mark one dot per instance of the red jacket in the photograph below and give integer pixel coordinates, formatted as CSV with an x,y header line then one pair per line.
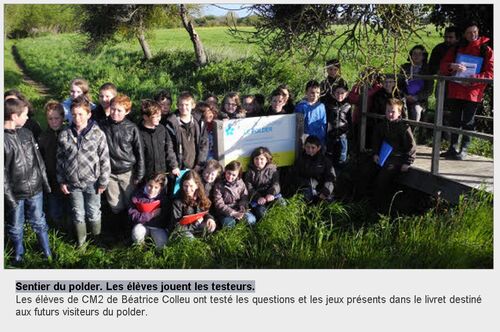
x,y
473,92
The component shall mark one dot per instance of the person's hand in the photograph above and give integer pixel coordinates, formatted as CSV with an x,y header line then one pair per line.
x,y
457,67
136,182
239,215
176,171
100,190
64,189
322,196
261,201
156,212
404,168
211,225
269,198
376,158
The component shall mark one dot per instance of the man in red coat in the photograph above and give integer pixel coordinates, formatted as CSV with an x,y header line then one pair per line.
x,y
464,98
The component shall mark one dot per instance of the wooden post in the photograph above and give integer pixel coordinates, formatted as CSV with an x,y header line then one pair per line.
x,y
364,110
438,121
219,141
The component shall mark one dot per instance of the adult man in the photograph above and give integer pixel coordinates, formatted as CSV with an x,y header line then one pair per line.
x,y
439,51
465,97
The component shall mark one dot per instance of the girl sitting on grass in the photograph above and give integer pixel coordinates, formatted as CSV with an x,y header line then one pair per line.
x,y
230,197
192,201
262,181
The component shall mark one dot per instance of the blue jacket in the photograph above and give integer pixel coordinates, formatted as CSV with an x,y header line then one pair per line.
x,y
314,119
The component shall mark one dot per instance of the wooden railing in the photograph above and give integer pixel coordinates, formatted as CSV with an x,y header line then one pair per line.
x,y
437,126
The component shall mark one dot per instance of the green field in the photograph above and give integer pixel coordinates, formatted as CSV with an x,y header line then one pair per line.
x,y
340,235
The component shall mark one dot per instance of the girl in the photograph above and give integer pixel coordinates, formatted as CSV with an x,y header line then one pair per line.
x,y
208,114
164,98
262,181
230,197
231,107
192,201
77,87
288,98
210,174
147,212
83,168
252,106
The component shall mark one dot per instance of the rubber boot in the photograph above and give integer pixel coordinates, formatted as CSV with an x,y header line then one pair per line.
x,y
95,227
81,233
18,250
43,241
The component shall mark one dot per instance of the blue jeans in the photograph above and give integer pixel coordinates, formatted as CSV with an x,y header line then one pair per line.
x,y
231,222
337,147
85,204
30,209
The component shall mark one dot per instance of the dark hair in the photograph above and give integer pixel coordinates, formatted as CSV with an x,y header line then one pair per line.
x,y
81,101
200,198
312,84
452,29
150,107
333,62
163,95
109,86
234,166
185,95
261,150
20,96
424,53
159,178
202,107
13,106
314,140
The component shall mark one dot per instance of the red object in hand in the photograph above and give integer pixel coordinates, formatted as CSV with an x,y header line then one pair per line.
x,y
148,207
191,218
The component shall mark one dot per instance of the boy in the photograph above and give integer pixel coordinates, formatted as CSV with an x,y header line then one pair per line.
x,y
330,83
339,124
56,201
314,172
126,157
314,112
107,91
24,180
187,144
153,138
399,136
83,168
277,106
164,99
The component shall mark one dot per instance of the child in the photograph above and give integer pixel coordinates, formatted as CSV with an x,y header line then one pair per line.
x,y
148,212
399,136
231,107
330,83
251,106
31,123
285,91
83,168
164,98
208,114
230,197
211,99
126,157
153,137
77,87
107,91
416,90
262,181
210,175
314,172
187,144
339,125
56,200
192,200
24,180
314,112
277,103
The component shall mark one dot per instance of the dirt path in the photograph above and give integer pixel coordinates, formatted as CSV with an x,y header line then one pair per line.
x,y
39,87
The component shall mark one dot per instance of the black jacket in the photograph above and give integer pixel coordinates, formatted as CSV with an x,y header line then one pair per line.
x,y
262,182
24,169
125,147
397,134
339,119
154,142
48,148
318,168
174,143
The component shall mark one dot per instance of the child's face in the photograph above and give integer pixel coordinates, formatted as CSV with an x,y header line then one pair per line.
x,y
20,120
340,94
105,97
189,187
209,175
311,149
230,105
54,119
166,105
277,103
312,95
231,176
332,71
389,85
118,112
248,104
153,189
212,100
417,56
152,120
80,117
260,161
392,112
75,91
185,107
208,116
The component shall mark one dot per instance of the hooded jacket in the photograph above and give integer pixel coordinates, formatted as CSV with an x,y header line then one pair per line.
x,y
230,198
262,182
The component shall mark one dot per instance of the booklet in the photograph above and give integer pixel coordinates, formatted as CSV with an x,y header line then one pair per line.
x,y
178,179
191,218
472,62
384,153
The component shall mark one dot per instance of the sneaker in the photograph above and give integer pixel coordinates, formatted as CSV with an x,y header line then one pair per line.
x,y
449,154
461,156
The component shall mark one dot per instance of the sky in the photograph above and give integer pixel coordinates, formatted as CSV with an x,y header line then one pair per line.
x,y
222,8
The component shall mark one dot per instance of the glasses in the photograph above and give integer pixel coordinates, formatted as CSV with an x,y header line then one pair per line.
x,y
231,104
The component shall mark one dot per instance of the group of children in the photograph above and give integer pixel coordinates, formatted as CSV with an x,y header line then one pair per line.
x,y
160,174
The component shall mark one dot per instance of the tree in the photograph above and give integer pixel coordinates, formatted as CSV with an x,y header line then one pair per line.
x,y
201,57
